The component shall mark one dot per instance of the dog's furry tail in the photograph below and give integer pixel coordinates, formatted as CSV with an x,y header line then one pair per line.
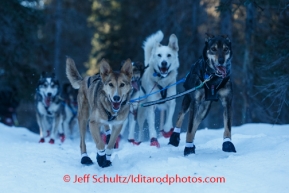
x,y
72,73
149,44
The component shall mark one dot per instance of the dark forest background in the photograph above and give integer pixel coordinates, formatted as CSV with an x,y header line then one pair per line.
x,y
37,35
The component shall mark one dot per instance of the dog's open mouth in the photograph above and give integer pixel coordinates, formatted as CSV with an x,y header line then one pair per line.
x,y
164,70
221,70
48,100
116,105
135,84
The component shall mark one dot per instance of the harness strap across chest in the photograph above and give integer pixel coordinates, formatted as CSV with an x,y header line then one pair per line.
x,y
95,78
213,86
110,117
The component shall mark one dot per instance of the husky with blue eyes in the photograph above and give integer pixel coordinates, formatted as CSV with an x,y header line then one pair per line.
x,y
49,108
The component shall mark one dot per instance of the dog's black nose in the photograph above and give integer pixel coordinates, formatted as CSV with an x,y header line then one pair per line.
x,y
221,60
49,94
116,98
164,64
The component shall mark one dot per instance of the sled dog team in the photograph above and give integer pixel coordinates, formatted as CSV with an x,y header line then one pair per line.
x,y
110,100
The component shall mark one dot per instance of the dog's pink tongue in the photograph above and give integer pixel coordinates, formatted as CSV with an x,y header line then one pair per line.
x,y
116,106
135,85
47,101
223,71
164,70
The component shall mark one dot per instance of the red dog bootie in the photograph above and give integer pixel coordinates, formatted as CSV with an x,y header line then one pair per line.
x,y
62,137
133,142
51,141
167,134
154,142
42,140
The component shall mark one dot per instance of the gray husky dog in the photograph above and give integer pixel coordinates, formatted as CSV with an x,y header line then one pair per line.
x,y
216,64
49,108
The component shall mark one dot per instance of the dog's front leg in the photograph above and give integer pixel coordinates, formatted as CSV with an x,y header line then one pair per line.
x,y
175,137
116,129
141,117
100,145
42,130
168,127
95,132
198,111
151,121
55,125
228,146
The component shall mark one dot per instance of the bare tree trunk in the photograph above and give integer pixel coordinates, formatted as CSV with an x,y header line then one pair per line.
x,y
226,19
57,44
195,16
248,63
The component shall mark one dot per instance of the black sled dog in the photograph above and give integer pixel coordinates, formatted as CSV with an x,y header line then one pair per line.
x,y
216,64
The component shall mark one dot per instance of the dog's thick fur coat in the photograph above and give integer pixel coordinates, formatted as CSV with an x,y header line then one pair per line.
x,y
102,100
162,63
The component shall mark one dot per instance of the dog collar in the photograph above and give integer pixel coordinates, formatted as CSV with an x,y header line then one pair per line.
x,y
157,74
110,117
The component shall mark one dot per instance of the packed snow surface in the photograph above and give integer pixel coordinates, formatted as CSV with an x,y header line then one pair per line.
x,y
261,164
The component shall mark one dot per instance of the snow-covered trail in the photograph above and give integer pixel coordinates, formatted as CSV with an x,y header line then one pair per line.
x,y
260,164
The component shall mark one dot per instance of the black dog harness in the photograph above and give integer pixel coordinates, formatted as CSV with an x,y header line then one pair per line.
x,y
211,87
95,77
163,92
110,117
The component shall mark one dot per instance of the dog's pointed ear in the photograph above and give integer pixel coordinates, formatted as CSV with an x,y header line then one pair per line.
x,y
127,68
173,42
226,37
104,68
208,37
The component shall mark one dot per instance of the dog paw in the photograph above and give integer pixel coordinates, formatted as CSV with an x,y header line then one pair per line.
x,y
85,160
175,139
228,146
167,134
189,150
154,142
42,140
62,137
133,142
51,141
102,161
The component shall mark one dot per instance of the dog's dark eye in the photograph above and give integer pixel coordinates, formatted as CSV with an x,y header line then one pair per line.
x,y
110,84
121,85
226,49
159,55
169,55
213,49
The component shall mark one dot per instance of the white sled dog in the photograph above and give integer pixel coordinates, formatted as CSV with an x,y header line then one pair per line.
x,y
161,70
